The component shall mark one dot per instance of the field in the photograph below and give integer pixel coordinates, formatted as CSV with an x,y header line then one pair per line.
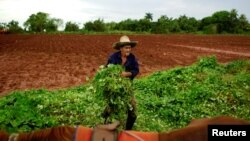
x,y
62,61
182,77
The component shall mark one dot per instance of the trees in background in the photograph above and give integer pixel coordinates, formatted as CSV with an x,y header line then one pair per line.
x,y
128,24
13,27
225,22
219,22
97,25
41,22
37,22
3,28
243,24
141,25
149,16
53,24
70,26
163,25
188,24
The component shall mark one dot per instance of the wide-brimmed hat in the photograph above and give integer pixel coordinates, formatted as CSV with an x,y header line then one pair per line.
x,y
124,40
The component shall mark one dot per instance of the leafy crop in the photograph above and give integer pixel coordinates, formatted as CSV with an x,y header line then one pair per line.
x,y
166,100
115,90
206,89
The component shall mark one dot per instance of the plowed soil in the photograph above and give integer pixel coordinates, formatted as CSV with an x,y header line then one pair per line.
x,y
63,61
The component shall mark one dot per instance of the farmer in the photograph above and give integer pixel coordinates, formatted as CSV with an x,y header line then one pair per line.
x,y
125,58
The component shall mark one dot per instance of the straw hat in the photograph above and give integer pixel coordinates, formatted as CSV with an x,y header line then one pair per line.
x,y
124,40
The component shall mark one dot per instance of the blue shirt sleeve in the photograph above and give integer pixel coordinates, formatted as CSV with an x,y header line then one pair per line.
x,y
135,68
114,59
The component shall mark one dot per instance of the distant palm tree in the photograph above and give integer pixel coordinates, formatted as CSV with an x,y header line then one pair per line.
x,y
149,16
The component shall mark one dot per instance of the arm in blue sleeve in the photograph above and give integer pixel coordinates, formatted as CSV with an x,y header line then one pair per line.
x,y
135,69
110,61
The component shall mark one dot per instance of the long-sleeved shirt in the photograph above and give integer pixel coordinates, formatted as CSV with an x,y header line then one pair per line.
x,y
131,65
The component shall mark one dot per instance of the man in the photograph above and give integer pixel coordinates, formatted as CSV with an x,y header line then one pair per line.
x,y
125,58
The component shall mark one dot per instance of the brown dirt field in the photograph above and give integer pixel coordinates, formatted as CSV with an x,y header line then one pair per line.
x,y
63,61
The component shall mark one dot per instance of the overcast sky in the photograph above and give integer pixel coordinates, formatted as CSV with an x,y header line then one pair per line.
x,y
81,11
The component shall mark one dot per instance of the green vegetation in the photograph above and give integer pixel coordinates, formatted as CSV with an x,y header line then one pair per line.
x,y
115,91
71,27
41,22
220,22
166,100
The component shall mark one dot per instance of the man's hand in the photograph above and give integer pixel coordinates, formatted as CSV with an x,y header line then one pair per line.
x,y
126,74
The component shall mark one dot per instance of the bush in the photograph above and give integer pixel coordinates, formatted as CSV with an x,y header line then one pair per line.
x,y
210,29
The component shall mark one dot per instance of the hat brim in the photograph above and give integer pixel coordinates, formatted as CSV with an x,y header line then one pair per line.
x,y
118,45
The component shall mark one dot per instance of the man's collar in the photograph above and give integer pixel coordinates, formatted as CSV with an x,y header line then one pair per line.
x,y
120,54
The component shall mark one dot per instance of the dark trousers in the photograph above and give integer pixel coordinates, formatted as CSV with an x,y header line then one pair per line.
x,y
131,115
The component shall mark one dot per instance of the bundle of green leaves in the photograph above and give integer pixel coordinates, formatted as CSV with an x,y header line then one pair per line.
x,y
116,91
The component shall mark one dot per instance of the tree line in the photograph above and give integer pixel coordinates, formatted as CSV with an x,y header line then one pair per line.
x,y
219,22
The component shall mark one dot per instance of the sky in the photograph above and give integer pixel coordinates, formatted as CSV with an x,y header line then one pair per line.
x,y
82,11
